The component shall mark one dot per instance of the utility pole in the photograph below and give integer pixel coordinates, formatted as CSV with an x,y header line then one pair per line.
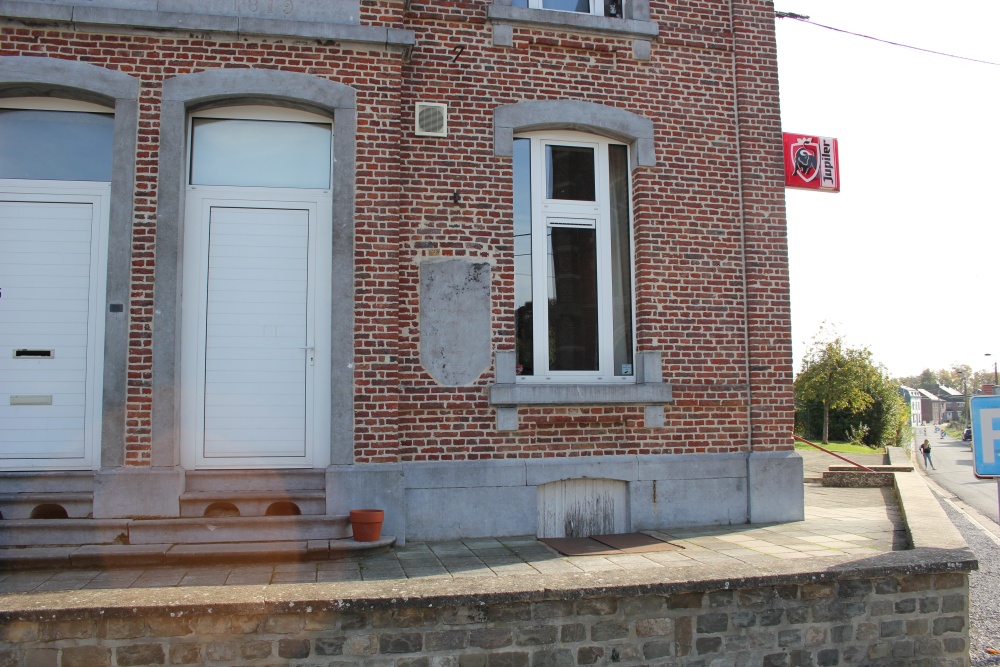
x,y
965,399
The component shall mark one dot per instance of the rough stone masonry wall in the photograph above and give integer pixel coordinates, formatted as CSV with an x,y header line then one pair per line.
x,y
914,619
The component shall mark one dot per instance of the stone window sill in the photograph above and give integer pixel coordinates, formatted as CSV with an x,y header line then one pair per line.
x,y
547,18
649,390
648,393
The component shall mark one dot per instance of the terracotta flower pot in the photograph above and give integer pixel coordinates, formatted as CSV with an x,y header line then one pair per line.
x,y
367,524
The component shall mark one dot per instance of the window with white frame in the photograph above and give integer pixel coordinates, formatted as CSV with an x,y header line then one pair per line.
x,y
598,7
572,252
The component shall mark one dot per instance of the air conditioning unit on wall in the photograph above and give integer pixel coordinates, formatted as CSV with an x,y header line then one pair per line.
x,y
431,119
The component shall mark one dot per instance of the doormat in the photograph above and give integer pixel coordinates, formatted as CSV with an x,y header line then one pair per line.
x,y
608,545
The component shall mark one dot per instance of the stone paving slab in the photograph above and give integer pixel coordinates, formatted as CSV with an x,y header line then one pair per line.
x,y
839,523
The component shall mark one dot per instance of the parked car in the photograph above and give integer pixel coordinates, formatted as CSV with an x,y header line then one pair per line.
x,y
967,435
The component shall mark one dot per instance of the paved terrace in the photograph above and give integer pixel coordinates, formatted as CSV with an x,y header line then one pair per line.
x,y
842,524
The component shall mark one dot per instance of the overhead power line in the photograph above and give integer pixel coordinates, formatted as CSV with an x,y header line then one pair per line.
x,y
805,19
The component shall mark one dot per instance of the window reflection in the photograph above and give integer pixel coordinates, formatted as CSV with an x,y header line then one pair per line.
x,y
523,313
573,339
621,259
570,173
582,6
568,5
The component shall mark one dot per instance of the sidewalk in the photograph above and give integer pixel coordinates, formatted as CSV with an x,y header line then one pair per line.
x,y
839,522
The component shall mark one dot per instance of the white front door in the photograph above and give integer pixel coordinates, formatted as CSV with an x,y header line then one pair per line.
x,y
53,241
253,331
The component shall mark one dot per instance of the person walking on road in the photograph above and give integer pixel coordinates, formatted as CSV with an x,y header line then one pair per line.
x,y
925,449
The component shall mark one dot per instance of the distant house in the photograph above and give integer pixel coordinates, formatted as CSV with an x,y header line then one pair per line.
x,y
954,402
912,398
931,407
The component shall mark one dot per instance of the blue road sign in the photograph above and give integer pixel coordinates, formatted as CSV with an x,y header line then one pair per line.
x,y
986,435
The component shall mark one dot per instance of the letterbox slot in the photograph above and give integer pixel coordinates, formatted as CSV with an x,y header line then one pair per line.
x,y
31,400
34,354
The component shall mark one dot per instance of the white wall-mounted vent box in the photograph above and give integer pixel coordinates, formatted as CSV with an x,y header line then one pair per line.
x,y
431,119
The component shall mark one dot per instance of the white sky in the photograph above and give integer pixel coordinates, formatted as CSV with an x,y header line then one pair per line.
x,y
904,260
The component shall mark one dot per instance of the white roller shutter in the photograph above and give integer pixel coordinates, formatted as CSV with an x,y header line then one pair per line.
x,y
49,296
256,357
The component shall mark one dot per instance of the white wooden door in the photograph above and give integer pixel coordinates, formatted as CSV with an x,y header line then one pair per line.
x,y
582,507
52,284
249,347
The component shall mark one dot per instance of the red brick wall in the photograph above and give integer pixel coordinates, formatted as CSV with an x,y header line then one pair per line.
x,y
375,74
692,215
688,213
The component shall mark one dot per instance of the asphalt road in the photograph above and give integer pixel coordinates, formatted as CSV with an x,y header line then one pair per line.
x,y
973,505
953,459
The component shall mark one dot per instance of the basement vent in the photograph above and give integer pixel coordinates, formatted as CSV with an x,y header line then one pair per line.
x,y
431,119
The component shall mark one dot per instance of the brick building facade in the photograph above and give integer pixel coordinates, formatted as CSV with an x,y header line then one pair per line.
x,y
307,286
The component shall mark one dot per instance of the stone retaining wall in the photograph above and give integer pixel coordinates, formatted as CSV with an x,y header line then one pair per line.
x,y
913,619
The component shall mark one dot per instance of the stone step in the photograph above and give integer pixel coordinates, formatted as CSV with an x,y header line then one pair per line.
x,y
857,479
238,529
253,503
78,505
219,481
150,555
876,468
80,532
81,481
63,532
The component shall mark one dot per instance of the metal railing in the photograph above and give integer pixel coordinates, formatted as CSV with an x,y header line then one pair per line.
x,y
824,449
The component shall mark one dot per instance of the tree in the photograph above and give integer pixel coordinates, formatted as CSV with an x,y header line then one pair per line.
x,y
927,379
836,377
887,418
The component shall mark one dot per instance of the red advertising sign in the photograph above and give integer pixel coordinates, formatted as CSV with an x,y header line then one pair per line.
x,y
811,162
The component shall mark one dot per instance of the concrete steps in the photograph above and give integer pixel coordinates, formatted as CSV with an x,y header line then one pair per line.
x,y
253,493
254,515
